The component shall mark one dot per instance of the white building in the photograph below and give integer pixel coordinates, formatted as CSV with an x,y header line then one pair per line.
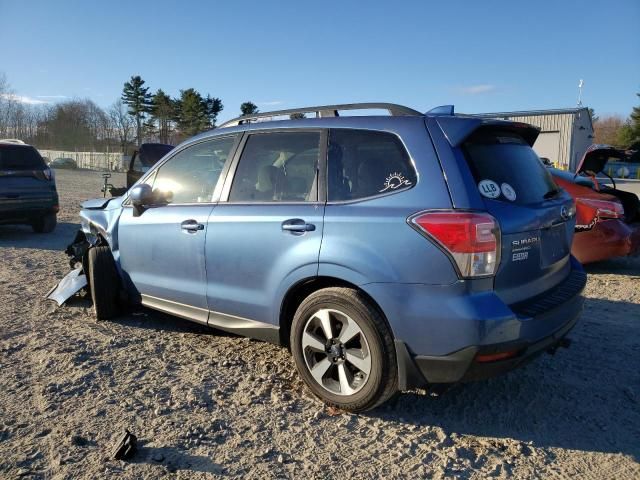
x,y
565,133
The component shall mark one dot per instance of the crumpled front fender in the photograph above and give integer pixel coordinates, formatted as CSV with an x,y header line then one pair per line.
x,y
72,283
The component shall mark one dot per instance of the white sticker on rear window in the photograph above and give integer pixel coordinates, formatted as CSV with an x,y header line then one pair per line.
x,y
394,181
508,192
489,188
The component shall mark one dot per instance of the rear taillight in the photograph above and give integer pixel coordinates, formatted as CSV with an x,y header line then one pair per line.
x,y
49,174
602,208
471,239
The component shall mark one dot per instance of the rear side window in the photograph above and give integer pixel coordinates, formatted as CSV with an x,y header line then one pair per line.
x,y
364,163
506,168
20,158
277,167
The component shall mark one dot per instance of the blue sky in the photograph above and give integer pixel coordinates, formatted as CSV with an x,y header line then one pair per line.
x,y
482,56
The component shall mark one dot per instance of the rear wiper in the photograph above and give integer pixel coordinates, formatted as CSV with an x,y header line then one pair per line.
x,y
551,193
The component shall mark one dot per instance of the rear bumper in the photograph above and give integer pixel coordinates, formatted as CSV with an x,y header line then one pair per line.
x,y
462,366
25,210
607,239
485,326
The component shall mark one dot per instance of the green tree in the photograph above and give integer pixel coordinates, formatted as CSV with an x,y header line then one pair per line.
x,y
213,106
191,113
634,123
297,116
163,112
137,97
248,108
592,114
629,133
625,135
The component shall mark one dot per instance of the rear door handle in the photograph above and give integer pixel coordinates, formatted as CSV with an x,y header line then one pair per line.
x,y
191,226
297,225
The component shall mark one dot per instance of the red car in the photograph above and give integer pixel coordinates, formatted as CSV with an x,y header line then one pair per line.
x,y
607,219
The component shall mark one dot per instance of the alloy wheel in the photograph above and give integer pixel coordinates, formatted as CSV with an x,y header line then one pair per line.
x,y
336,352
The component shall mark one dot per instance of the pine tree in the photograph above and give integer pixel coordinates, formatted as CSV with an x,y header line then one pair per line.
x,y
213,106
248,108
635,123
163,111
137,97
191,113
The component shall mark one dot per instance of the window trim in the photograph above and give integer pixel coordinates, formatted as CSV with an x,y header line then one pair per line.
x,y
215,196
319,184
412,164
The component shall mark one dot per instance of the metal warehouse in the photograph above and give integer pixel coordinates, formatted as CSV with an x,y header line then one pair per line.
x,y
565,133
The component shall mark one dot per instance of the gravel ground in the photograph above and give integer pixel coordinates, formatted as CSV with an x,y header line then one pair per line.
x,y
206,404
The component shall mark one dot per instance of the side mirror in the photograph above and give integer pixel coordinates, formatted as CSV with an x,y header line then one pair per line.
x,y
141,196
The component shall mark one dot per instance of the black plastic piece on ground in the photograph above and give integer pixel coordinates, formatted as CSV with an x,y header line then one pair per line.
x,y
126,447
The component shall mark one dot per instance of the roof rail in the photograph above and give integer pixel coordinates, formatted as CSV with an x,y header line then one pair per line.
x,y
12,140
325,111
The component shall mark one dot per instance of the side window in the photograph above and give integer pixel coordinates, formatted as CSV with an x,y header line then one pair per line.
x,y
191,175
277,167
364,163
137,165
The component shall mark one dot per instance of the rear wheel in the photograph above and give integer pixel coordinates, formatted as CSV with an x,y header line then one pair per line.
x,y
44,224
104,282
343,349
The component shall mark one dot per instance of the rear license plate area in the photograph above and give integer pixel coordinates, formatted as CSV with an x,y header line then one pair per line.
x,y
553,245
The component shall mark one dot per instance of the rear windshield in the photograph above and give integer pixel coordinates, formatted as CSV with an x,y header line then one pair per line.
x,y
15,157
506,168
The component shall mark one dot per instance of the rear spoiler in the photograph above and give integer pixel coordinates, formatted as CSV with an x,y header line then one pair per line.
x,y
458,128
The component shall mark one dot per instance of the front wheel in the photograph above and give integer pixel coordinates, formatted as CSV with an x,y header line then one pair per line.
x,y
343,349
104,282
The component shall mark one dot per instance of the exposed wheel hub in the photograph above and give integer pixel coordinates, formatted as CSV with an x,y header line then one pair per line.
x,y
335,350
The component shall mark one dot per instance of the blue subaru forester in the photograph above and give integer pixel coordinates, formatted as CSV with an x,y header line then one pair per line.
x,y
387,251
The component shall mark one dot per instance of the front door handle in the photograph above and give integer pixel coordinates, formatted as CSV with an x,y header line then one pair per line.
x,y
191,226
297,225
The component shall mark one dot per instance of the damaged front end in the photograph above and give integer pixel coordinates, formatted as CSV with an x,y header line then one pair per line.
x,y
98,220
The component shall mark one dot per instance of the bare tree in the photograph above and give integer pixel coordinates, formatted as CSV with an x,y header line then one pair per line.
x,y
607,129
7,104
122,123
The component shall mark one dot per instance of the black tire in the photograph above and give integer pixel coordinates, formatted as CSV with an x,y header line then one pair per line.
x,y
382,381
45,224
104,282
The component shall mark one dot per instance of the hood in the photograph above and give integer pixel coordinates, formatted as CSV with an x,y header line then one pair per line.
x,y
596,157
102,203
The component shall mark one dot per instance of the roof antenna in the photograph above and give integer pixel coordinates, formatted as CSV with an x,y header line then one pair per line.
x,y
580,85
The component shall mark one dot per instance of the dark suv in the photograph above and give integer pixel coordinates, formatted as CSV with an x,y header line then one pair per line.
x,y
388,252
28,192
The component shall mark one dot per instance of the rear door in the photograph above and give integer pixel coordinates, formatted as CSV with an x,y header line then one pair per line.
x,y
536,217
265,233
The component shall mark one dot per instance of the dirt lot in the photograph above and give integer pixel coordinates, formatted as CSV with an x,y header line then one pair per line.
x,y
206,404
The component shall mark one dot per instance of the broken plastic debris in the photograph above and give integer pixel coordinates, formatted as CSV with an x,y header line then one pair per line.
x,y
126,447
